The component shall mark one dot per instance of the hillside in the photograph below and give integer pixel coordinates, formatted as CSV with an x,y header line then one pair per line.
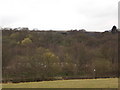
x,y
30,55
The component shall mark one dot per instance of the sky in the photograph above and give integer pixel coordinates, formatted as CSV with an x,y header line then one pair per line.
x,y
91,15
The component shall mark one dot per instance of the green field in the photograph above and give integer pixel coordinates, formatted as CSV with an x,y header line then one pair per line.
x,y
76,83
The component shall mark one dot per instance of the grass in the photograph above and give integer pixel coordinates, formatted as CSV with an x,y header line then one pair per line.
x,y
76,83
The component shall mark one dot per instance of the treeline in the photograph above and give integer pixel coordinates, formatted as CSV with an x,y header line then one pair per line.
x,y
29,55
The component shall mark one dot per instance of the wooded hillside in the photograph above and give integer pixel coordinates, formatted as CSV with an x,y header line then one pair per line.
x,y
30,55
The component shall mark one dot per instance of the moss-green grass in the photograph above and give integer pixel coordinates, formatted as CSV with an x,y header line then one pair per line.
x,y
76,83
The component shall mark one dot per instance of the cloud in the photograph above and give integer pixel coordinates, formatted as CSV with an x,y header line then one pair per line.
x,y
7,20
59,14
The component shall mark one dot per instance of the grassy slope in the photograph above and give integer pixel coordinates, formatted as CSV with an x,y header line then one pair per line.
x,y
78,83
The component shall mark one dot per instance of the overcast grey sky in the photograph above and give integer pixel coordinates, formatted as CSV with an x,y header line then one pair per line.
x,y
92,15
